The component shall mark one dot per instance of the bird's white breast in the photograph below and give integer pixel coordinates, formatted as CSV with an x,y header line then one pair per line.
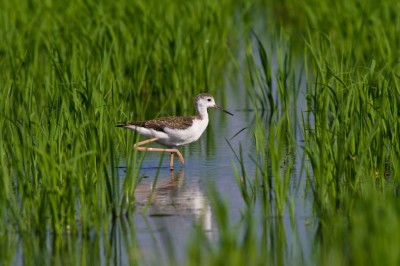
x,y
188,135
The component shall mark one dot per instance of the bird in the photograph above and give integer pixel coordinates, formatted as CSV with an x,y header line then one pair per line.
x,y
174,131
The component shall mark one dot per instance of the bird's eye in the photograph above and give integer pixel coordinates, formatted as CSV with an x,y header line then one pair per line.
x,y
209,99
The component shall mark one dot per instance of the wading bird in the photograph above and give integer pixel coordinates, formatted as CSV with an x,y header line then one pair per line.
x,y
174,131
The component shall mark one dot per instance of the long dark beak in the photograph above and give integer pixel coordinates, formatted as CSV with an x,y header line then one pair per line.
x,y
222,109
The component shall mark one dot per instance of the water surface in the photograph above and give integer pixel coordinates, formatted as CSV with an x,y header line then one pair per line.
x,y
171,203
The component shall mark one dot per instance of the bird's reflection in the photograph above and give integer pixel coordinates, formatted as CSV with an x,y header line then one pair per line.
x,y
172,196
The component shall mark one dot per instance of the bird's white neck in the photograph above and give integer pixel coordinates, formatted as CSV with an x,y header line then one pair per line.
x,y
201,112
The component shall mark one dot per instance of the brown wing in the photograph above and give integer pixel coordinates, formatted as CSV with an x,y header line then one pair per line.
x,y
175,122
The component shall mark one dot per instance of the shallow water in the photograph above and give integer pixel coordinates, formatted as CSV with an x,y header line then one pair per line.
x,y
171,203
179,198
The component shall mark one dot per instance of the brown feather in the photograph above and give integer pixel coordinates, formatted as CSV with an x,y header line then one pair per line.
x,y
174,122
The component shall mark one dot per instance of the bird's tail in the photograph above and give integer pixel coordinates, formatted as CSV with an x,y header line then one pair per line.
x,y
127,124
121,124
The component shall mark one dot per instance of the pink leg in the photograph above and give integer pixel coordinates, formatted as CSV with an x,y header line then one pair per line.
x,y
140,143
172,151
171,161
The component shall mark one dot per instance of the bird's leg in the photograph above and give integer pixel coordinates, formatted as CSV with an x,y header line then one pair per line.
x,y
171,161
140,143
172,151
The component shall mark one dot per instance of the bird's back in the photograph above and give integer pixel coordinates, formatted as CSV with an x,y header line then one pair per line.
x,y
159,124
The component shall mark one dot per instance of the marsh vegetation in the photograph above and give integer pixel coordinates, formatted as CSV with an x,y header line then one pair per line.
x,y
306,174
